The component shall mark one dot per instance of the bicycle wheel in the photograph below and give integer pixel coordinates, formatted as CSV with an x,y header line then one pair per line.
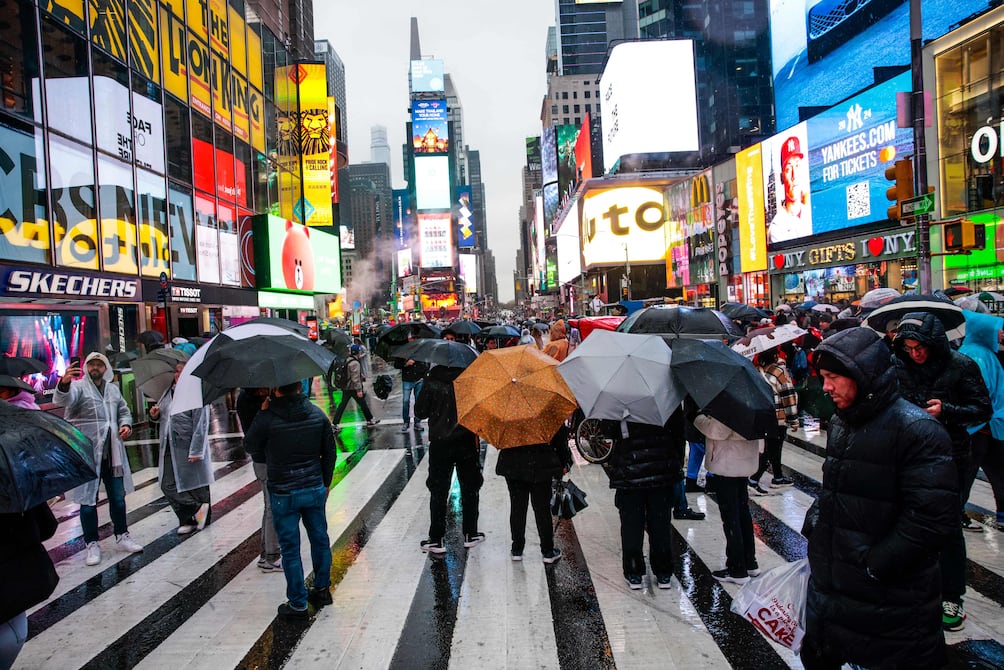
x,y
594,445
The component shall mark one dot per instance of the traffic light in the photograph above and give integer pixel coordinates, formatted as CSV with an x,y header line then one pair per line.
x,y
624,292
901,174
964,235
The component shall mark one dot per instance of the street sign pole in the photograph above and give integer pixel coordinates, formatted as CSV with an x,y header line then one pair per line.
x,y
164,287
919,147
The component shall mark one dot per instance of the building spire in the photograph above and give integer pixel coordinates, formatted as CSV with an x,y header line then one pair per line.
x,y
416,48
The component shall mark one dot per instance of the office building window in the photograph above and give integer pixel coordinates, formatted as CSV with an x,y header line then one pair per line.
x,y
586,94
575,95
554,109
575,108
564,95
564,109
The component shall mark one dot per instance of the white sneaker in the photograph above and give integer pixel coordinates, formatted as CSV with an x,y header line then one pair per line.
x,y
127,544
93,554
202,516
185,529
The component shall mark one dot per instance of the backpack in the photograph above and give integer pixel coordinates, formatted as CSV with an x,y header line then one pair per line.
x,y
339,377
382,386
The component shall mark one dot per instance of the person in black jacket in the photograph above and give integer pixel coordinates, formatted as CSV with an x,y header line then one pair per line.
x,y
949,386
528,471
412,373
450,446
643,469
887,506
249,403
27,576
297,443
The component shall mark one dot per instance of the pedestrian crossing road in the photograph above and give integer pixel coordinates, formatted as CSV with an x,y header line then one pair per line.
x,y
199,601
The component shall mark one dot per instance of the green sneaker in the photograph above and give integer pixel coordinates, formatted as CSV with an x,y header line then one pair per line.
x,y
953,617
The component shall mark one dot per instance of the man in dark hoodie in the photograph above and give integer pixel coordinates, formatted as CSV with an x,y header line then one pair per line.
x,y
949,387
450,446
887,505
297,443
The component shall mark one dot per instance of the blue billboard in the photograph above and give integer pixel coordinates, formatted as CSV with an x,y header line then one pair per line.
x,y
464,213
430,133
850,147
824,51
404,230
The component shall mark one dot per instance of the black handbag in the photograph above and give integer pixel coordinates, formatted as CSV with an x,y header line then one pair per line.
x,y
567,499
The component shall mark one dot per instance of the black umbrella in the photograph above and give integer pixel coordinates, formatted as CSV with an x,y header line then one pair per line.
x,y
198,341
6,381
398,335
19,366
725,386
463,327
337,340
672,321
437,352
951,315
541,326
151,339
41,456
262,360
740,312
291,326
500,332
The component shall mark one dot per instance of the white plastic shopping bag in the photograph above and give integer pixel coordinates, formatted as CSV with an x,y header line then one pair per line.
x,y
774,602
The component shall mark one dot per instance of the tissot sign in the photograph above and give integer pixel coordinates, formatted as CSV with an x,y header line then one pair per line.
x,y
44,283
863,249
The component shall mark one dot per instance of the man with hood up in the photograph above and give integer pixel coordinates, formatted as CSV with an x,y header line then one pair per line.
x,y
887,505
949,387
984,333
96,407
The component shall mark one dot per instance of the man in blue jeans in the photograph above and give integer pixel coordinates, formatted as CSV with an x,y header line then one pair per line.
x,y
297,443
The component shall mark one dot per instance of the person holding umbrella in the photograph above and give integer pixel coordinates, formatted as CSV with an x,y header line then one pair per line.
x,y
185,467
17,392
773,370
528,471
355,390
412,373
95,406
249,403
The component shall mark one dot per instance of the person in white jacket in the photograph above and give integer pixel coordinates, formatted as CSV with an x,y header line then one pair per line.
x,y
732,459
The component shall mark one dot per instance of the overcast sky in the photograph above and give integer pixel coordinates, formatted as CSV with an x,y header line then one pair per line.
x,y
493,51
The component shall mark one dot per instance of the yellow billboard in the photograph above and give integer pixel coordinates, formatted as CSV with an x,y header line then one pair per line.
x,y
198,19
222,90
242,128
254,59
238,42
199,70
108,26
256,113
315,148
172,51
219,35
143,38
68,12
752,232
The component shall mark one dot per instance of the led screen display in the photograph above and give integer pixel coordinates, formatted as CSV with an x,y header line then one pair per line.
x,y
427,76
469,272
435,241
825,50
630,216
432,182
299,259
429,128
51,338
465,217
549,155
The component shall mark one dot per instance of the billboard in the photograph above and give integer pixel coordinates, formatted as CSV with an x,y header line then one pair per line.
x,y
469,272
314,209
405,266
625,223
549,156
552,198
752,233
465,218
292,257
404,227
787,199
583,152
427,76
429,129
690,232
24,225
533,153
649,99
566,136
435,241
432,182
825,51
569,254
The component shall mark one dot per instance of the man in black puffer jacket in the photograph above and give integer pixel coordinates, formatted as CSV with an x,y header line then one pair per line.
x,y
297,443
887,506
643,469
949,386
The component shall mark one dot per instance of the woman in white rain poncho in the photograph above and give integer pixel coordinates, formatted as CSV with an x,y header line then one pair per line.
x,y
96,407
186,469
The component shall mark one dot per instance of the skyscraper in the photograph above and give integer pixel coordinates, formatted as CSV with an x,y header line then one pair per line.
x,y
586,29
379,148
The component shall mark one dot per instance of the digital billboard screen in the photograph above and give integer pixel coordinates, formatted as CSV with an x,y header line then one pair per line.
x,y
400,200
566,136
435,241
429,129
787,199
824,51
427,76
469,272
299,259
465,217
649,100
549,156
432,182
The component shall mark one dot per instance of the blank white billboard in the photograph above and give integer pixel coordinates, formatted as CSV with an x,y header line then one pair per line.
x,y
432,182
649,99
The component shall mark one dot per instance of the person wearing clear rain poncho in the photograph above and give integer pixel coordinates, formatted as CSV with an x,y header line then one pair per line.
x,y
96,407
186,470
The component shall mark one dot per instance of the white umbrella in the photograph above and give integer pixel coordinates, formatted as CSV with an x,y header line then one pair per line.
x,y
623,377
825,307
972,304
762,339
191,392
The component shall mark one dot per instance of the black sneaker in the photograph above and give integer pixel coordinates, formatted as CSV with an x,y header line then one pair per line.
x,y
319,597
725,576
752,569
286,611
967,524
516,555
664,581
552,556
688,515
756,489
473,539
633,581
432,546
780,482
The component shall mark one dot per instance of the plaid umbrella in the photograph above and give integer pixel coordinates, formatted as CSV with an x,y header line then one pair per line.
x,y
513,396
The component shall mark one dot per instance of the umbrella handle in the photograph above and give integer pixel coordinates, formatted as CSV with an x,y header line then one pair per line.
x,y
624,426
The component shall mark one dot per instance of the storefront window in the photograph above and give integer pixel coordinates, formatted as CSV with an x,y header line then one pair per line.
x,y
68,96
74,212
182,218
179,140
151,205
147,124
24,222
118,215
18,56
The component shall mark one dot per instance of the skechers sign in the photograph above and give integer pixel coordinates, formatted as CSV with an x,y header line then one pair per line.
x,y
632,215
45,283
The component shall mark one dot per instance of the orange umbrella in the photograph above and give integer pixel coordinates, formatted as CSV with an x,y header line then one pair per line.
x,y
513,396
